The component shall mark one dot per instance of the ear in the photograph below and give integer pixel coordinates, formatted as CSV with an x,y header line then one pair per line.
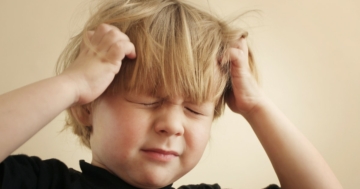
x,y
82,114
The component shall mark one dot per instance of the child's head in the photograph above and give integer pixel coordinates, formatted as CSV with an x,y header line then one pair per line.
x,y
178,49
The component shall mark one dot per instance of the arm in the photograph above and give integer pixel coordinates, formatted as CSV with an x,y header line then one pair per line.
x,y
24,111
296,162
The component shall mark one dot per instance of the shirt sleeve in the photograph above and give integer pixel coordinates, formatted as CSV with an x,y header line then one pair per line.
x,y
21,171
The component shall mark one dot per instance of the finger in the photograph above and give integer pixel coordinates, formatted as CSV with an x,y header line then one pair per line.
x,y
239,56
111,37
100,32
119,50
240,44
83,46
90,34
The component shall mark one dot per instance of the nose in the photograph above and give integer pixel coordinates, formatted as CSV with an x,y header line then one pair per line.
x,y
170,121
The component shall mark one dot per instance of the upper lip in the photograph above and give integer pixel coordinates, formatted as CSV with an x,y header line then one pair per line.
x,y
161,151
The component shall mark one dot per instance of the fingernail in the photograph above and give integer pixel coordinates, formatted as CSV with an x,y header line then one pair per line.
x,y
245,34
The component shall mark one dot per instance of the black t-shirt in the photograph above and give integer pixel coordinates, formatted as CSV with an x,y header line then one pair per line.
x,y
21,171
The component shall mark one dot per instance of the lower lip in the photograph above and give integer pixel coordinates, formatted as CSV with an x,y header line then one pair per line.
x,y
159,156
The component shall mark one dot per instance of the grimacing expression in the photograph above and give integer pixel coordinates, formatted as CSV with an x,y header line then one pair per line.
x,y
147,141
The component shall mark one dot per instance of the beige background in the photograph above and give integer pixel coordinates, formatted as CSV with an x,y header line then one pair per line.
x,y
308,56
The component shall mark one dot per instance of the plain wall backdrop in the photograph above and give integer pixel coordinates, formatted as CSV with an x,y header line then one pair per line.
x,y
307,53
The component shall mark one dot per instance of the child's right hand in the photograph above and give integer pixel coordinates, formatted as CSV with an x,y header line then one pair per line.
x,y
96,66
82,82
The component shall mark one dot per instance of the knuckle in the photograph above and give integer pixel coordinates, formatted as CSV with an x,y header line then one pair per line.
x,y
125,37
117,50
114,27
103,28
112,33
118,46
115,33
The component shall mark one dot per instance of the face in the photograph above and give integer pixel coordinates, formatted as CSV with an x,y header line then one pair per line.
x,y
147,141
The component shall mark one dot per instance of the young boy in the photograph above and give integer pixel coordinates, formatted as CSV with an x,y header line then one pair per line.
x,y
147,124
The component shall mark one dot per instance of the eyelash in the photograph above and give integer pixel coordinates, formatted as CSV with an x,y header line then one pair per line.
x,y
194,112
153,104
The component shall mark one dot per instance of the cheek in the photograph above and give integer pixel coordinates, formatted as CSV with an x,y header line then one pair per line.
x,y
123,128
112,127
198,136
196,139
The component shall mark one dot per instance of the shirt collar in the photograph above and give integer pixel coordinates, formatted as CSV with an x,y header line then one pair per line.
x,y
104,179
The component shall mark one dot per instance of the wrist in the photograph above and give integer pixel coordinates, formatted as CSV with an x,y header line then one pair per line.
x,y
68,84
263,105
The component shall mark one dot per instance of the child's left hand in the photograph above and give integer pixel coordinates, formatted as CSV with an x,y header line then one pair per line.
x,y
245,95
296,162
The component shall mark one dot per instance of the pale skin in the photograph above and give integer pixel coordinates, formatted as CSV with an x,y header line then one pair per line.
x,y
297,163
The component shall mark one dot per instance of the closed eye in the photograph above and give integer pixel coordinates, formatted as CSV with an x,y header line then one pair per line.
x,y
194,112
151,104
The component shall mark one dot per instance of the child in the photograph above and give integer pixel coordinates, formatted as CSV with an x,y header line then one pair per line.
x,y
147,124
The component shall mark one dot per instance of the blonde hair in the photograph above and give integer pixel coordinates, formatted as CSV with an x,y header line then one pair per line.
x,y
177,45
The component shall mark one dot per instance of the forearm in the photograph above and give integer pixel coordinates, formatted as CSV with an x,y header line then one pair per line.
x,y
296,162
24,111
